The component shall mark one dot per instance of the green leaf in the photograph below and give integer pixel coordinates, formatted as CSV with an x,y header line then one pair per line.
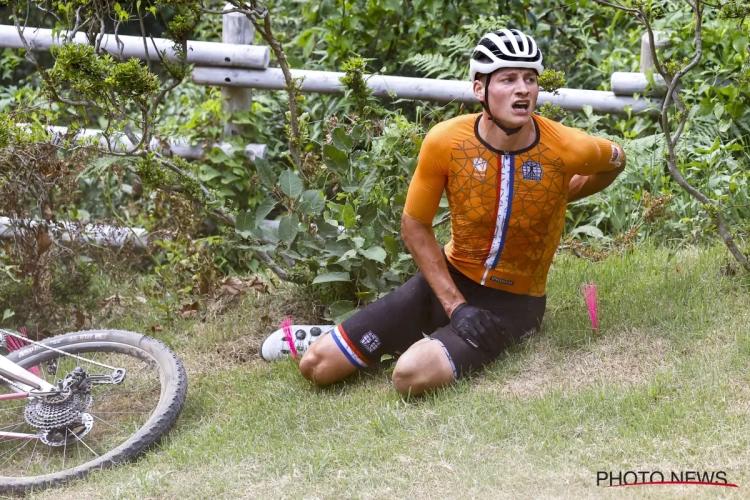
x,y
312,202
229,178
341,310
368,182
290,184
718,110
7,314
217,155
243,221
589,230
335,158
713,148
263,210
349,254
291,254
341,140
368,296
265,172
740,43
97,166
336,248
349,216
374,253
207,173
391,245
261,248
288,229
329,277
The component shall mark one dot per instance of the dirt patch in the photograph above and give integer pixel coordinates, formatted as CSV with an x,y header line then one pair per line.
x,y
243,350
235,337
623,359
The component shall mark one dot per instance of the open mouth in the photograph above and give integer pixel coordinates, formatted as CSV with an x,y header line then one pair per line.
x,y
521,105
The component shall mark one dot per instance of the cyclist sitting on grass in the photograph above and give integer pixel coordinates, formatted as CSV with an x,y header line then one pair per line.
x,y
508,175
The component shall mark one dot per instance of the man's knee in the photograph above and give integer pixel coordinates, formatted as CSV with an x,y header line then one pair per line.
x,y
324,363
406,380
309,364
422,367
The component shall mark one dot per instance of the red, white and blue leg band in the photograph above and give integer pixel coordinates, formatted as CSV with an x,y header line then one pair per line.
x,y
348,348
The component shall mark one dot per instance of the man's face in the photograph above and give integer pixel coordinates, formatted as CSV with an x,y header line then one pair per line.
x,y
512,95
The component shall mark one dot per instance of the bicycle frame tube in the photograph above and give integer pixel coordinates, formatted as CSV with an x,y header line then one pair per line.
x,y
24,378
16,435
18,375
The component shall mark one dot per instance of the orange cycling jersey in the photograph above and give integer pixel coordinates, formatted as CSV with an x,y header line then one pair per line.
x,y
507,207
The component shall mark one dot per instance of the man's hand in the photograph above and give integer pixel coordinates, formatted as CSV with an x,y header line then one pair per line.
x,y
479,327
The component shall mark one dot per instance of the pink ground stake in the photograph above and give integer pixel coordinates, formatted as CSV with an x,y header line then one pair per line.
x,y
589,293
286,326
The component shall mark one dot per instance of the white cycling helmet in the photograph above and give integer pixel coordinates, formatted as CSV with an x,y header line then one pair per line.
x,y
505,48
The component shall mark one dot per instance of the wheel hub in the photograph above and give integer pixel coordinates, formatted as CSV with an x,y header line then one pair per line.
x,y
69,434
61,410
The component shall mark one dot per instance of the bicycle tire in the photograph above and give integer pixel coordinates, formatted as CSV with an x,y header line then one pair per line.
x,y
173,386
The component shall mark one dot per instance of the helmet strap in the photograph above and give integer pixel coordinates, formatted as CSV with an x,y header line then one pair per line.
x,y
486,106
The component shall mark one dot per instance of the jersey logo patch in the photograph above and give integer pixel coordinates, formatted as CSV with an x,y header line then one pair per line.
x,y
370,341
616,157
480,164
531,170
500,280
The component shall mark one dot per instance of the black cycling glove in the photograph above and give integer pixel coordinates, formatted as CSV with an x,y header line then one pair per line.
x,y
479,327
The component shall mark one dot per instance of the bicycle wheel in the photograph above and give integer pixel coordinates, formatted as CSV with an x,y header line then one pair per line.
x,y
105,424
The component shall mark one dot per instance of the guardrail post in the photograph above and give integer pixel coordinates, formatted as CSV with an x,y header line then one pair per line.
x,y
647,61
237,29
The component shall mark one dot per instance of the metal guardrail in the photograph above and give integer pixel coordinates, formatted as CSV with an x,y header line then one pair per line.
x,y
198,52
328,82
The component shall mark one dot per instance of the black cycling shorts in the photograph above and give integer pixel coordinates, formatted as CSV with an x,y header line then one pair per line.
x,y
391,324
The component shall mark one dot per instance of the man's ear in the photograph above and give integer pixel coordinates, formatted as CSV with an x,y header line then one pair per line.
x,y
478,87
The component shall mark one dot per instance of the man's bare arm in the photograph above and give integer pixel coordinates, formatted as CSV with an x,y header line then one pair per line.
x,y
581,186
421,242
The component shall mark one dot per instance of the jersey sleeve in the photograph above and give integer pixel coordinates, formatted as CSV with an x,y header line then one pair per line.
x,y
591,155
429,180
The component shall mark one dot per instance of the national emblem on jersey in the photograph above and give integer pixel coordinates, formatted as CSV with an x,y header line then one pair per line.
x,y
531,171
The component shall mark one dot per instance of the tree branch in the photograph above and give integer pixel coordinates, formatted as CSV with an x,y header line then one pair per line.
x,y
619,7
672,93
255,14
143,34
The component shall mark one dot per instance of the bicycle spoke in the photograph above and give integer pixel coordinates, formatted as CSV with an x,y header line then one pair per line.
x,y
12,427
17,449
28,465
84,444
96,422
49,457
107,423
12,408
65,447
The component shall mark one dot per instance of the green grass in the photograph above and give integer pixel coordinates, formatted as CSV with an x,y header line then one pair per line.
x,y
663,386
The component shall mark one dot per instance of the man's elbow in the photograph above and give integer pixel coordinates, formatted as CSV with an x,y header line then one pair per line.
x,y
406,229
412,230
